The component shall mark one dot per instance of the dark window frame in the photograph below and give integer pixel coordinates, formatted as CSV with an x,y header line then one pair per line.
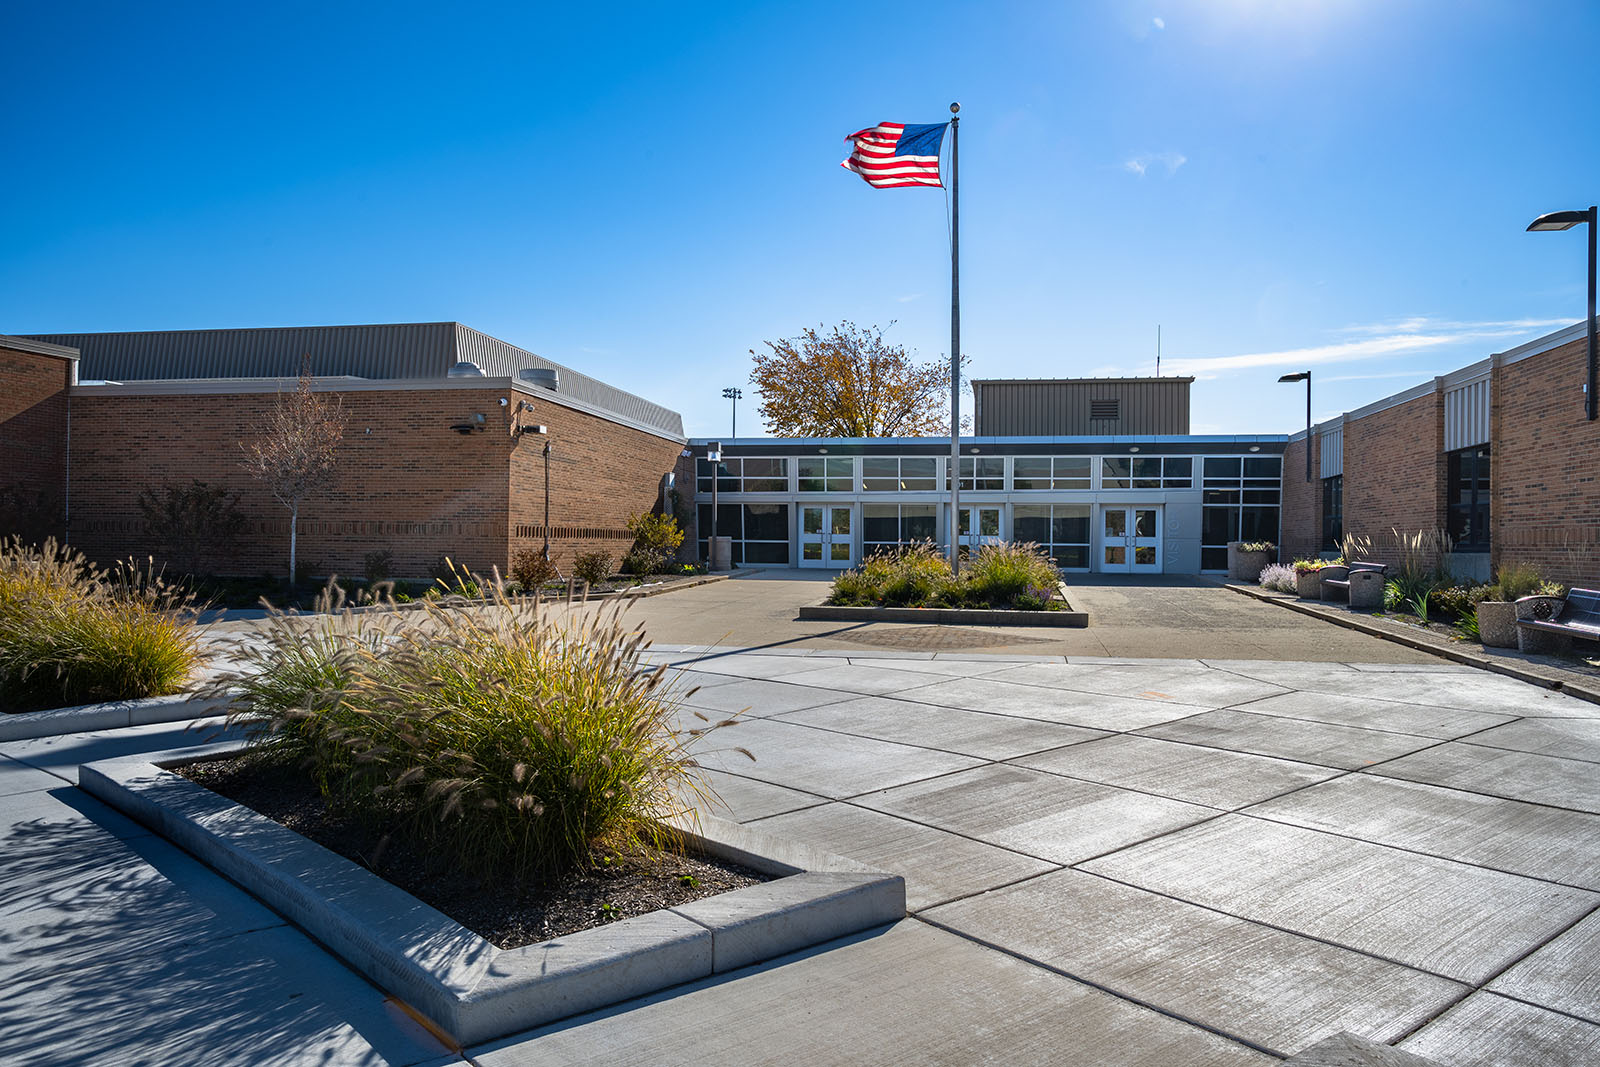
x,y
1332,512
1469,473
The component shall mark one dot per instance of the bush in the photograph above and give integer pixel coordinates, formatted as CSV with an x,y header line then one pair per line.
x,y
531,569
1311,566
1457,601
1515,581
643,561
593,567
1279,576
378,566
1258,546
1005,575
513,745
72,633
189,523
658,532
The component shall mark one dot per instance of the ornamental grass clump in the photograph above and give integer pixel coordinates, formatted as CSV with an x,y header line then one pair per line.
x,y
74,633
1001,575
1277,576
509,744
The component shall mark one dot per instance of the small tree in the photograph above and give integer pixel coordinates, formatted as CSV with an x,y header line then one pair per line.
x,y
849,382
297,449
189,522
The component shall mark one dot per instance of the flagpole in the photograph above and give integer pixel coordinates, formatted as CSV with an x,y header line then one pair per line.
x,y
955,340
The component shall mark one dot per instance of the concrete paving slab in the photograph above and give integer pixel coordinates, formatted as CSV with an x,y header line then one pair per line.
x,y
1486,1030
1478,691
937,866
1274,989
746,799
17,777
1568,738
911,994
971,733
1133,661
1440,667
1506,835
759,697
62,755
818,761
864,678
1461,922
1344,747
1194,685
62,810
1552,780
1347,1050
265,996
1089,710
1271,669
1563,975
1058,819
1371,713
758,665
1190,773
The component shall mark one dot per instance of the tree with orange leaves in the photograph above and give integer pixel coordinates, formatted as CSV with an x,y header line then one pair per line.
x,y
849,382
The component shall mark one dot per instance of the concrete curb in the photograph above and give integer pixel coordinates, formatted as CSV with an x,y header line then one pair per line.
x,y
108,716
1583,689
452,601
466,986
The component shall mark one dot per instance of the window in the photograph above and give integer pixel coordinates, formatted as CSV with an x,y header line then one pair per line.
x,y
827,474
760,532
1469,498
744,474
1105,409
1050,472
981,472
1062,530
1146,472
888,526
907,474
1240,503
1332,512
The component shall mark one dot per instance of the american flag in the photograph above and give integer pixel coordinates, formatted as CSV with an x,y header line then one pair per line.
x,y
893,154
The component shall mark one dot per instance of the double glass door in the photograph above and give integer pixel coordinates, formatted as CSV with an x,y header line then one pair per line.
x,y
826,537
979,525
1130,540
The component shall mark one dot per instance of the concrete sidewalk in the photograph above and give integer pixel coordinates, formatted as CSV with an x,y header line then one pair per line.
x,y
1108,862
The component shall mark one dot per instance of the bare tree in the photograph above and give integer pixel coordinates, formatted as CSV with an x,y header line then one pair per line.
x,y
296,451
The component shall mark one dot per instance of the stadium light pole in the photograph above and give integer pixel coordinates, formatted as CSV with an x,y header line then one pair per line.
x,y
1566,220
734,394
1304,376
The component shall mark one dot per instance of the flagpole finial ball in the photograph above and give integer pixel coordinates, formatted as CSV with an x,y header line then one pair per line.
x,y
954,108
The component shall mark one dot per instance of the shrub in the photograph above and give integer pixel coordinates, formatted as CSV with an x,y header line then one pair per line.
x,y
531,569
377,566
1279,576
514,745
191,522
72,633
1456,601
1258,546
658,532
1515,581
593,567
643,561
1000,573
1310,566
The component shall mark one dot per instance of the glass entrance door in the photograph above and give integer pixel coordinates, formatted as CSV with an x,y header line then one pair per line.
x,y
980,525
826,535
1130,540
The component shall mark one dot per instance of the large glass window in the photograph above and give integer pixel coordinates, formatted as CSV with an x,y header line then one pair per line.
x,y
908,474
1332,512
1469,498
1240,503
760,532
1146,472
1050,472
1062,530
888,526
827,474
981,472
744,474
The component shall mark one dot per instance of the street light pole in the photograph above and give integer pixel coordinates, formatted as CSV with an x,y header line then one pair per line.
x,y
1304,376
734,394
1566,220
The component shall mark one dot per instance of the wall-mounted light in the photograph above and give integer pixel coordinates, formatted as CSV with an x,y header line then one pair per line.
x,y
1133,448
822,451
1255,448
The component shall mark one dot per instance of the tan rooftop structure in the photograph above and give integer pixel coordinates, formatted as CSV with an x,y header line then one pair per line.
x,y
1059,407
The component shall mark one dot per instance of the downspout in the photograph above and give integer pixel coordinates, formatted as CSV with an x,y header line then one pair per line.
x,y
66,492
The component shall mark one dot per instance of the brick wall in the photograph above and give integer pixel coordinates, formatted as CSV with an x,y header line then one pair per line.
x,y
601,475
1300,535
405,481
33,443
1545,467
1394,474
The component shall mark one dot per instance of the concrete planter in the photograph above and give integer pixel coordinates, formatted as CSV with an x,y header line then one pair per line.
x,y
1497,623
1308,586
1332,574
1245,566
1366,590
1543,609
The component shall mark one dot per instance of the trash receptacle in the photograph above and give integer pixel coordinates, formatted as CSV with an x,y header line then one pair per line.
x,y
1366,590
722,553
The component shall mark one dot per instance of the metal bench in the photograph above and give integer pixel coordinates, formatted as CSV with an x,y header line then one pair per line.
x,y
1341,583
1548,624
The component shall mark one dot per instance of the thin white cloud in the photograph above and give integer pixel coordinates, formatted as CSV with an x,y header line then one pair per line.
x,y
1159,23
907,298
1141,163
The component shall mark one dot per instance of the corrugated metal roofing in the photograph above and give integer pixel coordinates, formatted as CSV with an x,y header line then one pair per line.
x,y
393,350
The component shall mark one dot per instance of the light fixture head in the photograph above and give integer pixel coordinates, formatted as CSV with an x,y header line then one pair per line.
x,y
1133,448
1298,376
822,451
1558,220
1255,448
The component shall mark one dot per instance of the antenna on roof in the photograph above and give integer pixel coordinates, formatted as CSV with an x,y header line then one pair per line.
x,y
1158,350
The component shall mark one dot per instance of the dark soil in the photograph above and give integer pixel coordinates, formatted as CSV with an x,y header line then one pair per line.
x,y
616,887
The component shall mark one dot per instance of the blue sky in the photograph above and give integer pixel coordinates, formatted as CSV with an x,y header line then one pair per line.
x,y
1340,184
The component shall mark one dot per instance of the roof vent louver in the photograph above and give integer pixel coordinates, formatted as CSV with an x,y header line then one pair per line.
x,y
543,377
1105,409
465,369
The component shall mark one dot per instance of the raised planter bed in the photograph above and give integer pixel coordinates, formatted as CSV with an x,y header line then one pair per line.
x,y
950,616
109,716
462,983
